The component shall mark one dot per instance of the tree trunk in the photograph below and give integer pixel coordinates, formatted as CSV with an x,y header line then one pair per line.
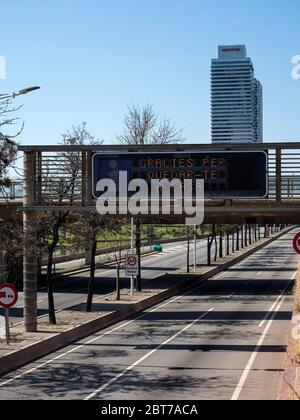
x,y
221,245
118,283
51,248
93,249
216,247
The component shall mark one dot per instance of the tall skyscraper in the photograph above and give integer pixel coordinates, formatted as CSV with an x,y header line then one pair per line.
x,y
237,98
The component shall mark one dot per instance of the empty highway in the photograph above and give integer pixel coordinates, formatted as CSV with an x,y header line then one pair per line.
x,y
225,339
72,291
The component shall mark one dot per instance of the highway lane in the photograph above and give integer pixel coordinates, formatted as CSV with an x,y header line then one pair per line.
x,y
225,339
71,291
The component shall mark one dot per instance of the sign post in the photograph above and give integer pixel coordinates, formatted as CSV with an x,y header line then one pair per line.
x,y
296,243
8,298
7,333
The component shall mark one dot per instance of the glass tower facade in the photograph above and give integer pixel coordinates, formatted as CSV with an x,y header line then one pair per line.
x,y
237,98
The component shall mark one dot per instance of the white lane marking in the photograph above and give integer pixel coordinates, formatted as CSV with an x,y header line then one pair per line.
x,y
269,311
129,368
252,359
232,294
101,336
258,274
274,304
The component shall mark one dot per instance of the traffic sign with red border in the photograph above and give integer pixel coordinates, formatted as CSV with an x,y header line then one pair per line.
x,y
296,243
8,295
132,265
132,261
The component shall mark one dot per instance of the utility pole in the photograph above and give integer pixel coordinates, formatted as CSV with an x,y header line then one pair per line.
x,y
29,229
30,252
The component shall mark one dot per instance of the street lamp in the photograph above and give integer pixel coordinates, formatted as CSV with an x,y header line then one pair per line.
x,y
21,92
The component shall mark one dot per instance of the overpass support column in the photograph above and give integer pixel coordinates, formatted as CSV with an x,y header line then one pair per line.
x,y
138,251
30,246
278,176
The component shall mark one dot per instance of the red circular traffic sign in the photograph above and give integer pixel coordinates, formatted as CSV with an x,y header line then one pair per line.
x,y
132,261
296,243
8,295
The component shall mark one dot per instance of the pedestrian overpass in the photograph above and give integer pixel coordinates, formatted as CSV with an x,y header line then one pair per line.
x,y
49,168
60,178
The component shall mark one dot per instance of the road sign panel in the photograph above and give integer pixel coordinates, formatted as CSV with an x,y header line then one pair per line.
x,y
132,265
8,295
226,174
296,243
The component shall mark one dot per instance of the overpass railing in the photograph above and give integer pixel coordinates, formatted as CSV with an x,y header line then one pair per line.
x,y
58,173
12,192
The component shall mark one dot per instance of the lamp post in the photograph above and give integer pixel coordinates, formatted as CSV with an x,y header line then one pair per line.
x,y
13,95
29,259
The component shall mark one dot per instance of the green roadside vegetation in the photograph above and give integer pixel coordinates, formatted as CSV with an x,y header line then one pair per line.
x,y
149,233
111,239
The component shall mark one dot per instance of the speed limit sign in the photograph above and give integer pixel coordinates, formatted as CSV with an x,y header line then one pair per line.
x,y
132,265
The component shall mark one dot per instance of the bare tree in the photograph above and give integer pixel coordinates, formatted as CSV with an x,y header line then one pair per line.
x,y
85,232
11,247
145,126
8,146
62,190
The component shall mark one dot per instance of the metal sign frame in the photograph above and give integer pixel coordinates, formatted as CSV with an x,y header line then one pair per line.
x,y
199,152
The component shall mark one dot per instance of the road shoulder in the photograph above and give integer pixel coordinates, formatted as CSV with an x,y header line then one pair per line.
x,y
290,387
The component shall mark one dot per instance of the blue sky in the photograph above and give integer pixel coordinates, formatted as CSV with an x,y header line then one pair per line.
x,y
93,57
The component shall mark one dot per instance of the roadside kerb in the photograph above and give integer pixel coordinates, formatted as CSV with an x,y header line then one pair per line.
x,y
290,385
19,358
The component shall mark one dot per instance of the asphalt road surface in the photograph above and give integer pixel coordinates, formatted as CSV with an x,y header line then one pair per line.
x,y
72,291
225,339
